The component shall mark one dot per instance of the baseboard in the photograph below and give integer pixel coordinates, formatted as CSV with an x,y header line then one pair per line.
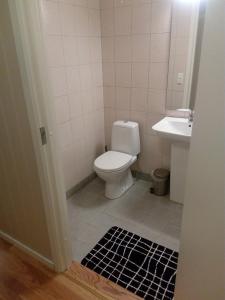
x,y
27,250
85,181
141,175
80,185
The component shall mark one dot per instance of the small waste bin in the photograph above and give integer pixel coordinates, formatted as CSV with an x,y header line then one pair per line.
x,y
160,178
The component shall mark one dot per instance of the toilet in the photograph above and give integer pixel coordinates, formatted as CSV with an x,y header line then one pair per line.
x,y
114,166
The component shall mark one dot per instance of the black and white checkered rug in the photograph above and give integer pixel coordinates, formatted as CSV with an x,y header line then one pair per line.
x,y
143,267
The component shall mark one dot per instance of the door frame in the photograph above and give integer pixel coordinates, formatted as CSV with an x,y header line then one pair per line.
x,y
191,53
29,40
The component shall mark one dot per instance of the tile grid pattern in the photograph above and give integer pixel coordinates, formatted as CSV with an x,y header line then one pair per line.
x,y
91,215
144,268
135,50
73,44
131,38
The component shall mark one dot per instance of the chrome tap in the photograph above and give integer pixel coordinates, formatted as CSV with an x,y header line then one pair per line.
x,y
191,116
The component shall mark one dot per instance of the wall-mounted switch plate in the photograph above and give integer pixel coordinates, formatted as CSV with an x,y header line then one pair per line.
x,y
180,78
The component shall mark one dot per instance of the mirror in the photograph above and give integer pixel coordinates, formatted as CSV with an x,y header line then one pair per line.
x,y
184,30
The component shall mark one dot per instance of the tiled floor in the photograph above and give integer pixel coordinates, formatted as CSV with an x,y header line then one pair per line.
x,y
91,215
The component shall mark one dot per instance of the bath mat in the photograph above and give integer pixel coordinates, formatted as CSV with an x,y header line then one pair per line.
x,y
137,264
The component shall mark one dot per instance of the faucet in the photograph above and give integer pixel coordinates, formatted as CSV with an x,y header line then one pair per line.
x,y
191,116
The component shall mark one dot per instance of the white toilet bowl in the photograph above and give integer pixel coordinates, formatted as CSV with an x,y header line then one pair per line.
x,y
114,168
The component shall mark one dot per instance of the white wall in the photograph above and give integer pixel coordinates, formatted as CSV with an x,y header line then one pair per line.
x,y
73,42
202,253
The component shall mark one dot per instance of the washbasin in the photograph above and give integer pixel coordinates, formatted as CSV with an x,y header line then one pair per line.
x,y
178,129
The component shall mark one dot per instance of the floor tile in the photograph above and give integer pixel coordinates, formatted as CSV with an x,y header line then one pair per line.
x,y
92,215
80,249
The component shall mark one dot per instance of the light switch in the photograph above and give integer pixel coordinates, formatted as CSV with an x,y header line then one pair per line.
x,y
180,78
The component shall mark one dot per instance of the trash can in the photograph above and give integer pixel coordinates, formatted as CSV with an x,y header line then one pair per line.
x,y
160,178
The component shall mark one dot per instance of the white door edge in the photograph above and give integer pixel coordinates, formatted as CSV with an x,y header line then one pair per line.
x,y
28,34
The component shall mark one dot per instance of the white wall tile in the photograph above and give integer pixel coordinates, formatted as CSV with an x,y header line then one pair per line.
x,y
109,97
155,152
123,98
156,101
140,48
140,75
139,97
72,34
161,16
123,20
123,49
107,22
62,109
181,46
65,135
55,56
141,118
107,49
138,2
141,19
87,103
94,4
82,21
70,48
73,79
158,76
122,114
108,74
120,3
106,4
160,44
68,19
69,166
143,163
84,50
75,104
94,23
85,77
95,50
98,100
77,128
58,81
78,2
96,70
123,74
51,17
109,117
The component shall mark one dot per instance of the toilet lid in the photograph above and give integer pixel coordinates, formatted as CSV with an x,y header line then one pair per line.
x,y
112,161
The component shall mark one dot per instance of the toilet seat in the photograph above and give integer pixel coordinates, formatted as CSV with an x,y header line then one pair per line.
x,y
112,161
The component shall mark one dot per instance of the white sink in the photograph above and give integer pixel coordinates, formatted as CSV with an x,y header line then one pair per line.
x,y
177,129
